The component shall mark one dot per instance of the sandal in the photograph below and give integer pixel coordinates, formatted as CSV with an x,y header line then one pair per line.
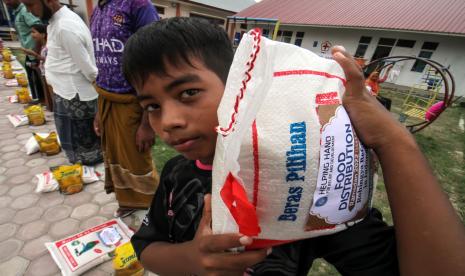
x,y
123,212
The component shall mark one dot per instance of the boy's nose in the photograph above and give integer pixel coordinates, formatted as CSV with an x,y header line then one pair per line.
x,y
172,118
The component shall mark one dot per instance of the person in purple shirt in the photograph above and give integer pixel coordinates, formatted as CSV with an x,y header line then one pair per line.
x,y
121,123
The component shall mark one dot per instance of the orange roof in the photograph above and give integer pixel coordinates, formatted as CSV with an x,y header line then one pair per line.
x,y
440,16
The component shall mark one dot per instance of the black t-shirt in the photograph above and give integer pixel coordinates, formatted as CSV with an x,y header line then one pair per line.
x,y
368,248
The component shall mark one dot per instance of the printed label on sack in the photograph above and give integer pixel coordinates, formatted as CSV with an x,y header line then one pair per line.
x,y
86,246
343,185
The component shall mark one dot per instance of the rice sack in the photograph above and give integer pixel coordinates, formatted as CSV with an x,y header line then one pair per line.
x,y
288,164
78,253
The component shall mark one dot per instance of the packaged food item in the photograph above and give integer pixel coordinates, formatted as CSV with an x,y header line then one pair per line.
x,y
35,114
18,120
69,178
48,145
11,83
8,74
21,79
32,146
78,253
12,99
288,164
100,171
89,175
23,94
6,55
125,261
46,182
6,66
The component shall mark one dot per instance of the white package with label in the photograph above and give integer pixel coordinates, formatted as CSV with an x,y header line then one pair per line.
x,y
89,175
18,120
288,164
76,254
46,182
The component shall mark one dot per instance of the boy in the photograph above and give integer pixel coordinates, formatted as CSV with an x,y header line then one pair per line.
x,y
179,68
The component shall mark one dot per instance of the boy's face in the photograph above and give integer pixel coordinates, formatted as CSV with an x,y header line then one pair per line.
x,y
182,108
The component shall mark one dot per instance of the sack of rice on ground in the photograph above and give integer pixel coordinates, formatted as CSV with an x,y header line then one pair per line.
x,y
288,163
76,254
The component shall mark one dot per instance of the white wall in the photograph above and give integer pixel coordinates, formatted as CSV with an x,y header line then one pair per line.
x,y
186,9
450,52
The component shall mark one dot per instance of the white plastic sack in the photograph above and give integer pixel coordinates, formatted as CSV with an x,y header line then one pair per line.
x,y
46,183
89,175
18,120
76,254
12,99
288,164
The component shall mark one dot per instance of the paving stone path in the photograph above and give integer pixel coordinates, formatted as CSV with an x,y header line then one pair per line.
x,y
29,219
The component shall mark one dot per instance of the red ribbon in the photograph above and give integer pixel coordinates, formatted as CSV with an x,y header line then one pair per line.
x,y
242,210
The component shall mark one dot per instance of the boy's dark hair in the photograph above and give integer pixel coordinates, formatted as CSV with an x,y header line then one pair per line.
x,y
176,40
41,28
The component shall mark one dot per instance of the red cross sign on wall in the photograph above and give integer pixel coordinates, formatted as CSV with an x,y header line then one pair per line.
x,y
325,46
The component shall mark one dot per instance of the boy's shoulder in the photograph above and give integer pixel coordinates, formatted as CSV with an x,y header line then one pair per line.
x,y
180,171
176,163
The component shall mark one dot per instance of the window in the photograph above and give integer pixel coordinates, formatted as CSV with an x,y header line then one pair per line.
x,y
284,36
299,36
213,20
244,26
426,52
405,43
365,40
315,44
160,9
266,33
237,38
362,46
387,41
361,50
430,46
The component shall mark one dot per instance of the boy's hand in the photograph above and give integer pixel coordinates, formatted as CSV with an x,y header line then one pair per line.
x,y
209,251
374,125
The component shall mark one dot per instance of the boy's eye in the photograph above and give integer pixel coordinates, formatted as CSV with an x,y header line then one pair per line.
x,y
189,93
152,107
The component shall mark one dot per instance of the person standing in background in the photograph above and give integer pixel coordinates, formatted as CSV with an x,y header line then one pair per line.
x,y
121,123
24,20
70,70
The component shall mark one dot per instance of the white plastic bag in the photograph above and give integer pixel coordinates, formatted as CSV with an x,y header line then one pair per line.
x,y
46,183
18,120
12,99
76,254
89,175
288,164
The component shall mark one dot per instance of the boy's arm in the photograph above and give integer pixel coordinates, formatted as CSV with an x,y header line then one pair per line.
x,y
430,236
204,255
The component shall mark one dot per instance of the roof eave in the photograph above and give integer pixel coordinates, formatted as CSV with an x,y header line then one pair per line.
x,y
375,29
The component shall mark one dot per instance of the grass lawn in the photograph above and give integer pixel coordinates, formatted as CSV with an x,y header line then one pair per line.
x,y
443,143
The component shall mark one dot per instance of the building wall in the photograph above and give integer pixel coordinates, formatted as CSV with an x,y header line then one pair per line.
x,y
450,51
187,9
